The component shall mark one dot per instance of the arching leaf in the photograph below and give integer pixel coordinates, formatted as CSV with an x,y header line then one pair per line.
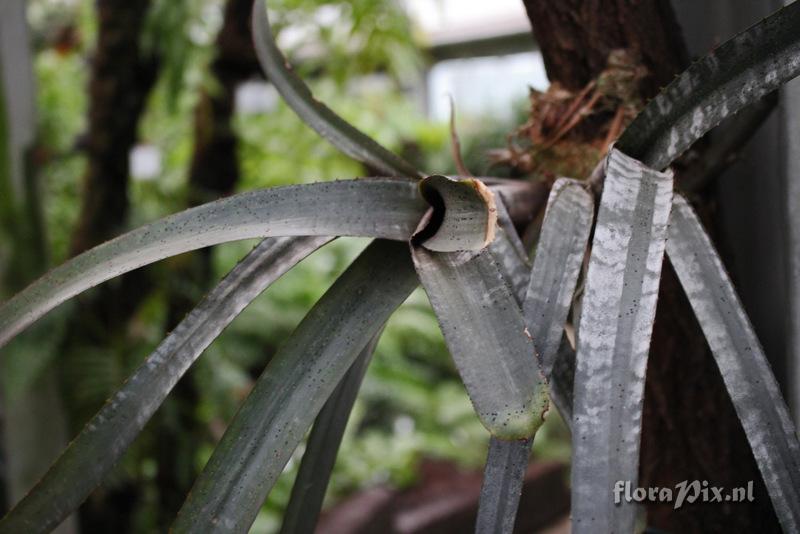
x,y
293,388
547,298
737,73
321,118
308,491
752,386
485,332
383,208
95,451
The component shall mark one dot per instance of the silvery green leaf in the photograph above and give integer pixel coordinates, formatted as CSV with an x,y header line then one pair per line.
x,y
486,335
503,478
735,74
321,118
556,266
319,457
613,340
507,249
95,451
384,208
293,388
547,295
741,361
463,214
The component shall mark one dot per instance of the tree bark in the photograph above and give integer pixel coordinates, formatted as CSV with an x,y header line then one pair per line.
x,y
690,430
576,36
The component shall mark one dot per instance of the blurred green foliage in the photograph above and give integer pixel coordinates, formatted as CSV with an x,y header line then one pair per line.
x,y
362,60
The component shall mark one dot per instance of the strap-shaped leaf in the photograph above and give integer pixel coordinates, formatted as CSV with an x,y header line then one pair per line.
x,y
321,118
737,73
547,298
322,446
614,338
93,453
383,208
559,255
741,361
509,252
503,478
485,332
293,388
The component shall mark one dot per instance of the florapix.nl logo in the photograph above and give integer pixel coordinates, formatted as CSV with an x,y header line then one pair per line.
x,y
685,492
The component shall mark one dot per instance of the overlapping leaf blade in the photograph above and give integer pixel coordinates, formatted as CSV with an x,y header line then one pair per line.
x,y
485,332
614,338
739,72
741,361
94,452
325,121
547,298
382,208
509,252
292,390
319,457
559,256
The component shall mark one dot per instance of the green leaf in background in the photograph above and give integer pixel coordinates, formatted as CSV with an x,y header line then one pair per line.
x,y
95,451
616,323
752,386
293,389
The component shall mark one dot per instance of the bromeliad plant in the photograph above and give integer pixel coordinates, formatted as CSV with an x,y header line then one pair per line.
x,y
503,320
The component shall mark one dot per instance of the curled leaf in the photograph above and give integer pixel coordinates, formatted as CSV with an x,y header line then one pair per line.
x,y
463,215
486,335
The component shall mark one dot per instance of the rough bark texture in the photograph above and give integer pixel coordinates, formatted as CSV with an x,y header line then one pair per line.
x,y
214,173
690,430
576,36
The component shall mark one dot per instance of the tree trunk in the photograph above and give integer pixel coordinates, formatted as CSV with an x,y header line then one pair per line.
x,y
689,430
576,36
